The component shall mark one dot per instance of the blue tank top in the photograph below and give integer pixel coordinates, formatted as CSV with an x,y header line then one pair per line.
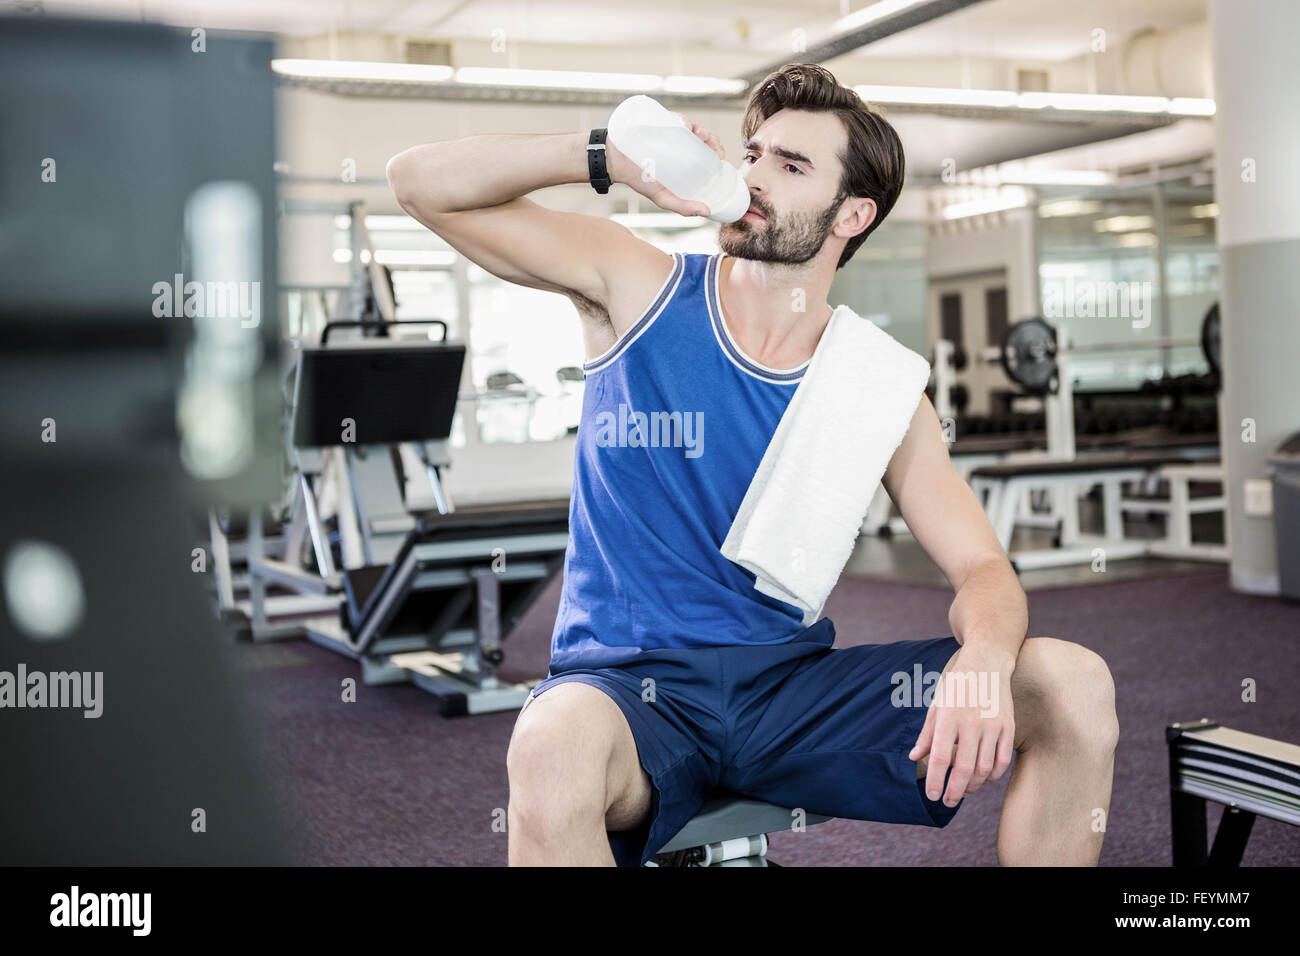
x,y
675,420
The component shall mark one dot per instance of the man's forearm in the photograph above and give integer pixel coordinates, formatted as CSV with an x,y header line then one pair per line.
x,y
990,611
474,172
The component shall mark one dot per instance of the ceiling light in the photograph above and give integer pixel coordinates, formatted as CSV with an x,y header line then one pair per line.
x,y
414,257
1056,177
1007,99
1124,223
936,96
1012,197
1136,239
559,79
1105,102
358,70
1069,207
702,84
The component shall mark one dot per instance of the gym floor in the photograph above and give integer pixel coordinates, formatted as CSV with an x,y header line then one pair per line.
x,y
351,774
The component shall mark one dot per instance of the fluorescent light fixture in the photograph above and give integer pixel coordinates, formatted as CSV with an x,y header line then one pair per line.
x,y
494,76
345,256
1191,106
702,84
1005,99
877,11
1061,270
1124,223
359,70
1209,210
1136,239
1056,177
1093,101
559,79
1011,197
414,257
382,223
393,224
658,220
936,96
1069,207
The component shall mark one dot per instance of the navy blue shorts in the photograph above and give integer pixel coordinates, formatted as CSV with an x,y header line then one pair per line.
x,y
798,724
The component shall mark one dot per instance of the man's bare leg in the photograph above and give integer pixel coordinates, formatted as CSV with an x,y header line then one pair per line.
x,y
574,774
1058,798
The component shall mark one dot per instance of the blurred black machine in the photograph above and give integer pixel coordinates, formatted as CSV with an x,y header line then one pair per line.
x,y
137,355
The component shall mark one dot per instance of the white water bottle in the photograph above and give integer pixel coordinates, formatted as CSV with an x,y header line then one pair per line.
x,y
659,142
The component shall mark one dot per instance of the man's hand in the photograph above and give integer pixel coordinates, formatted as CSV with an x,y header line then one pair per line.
x,y
623,170
970,714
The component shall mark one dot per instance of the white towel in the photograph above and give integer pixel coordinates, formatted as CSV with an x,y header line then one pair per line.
x,y
806,503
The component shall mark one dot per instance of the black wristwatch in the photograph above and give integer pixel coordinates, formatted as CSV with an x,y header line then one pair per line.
x,y
596,170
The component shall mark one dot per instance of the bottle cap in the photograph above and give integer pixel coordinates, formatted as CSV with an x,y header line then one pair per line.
x,y
736,206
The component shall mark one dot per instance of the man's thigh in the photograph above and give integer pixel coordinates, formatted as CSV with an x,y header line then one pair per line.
x,y
833,735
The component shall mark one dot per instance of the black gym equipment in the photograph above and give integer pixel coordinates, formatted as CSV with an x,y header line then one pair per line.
x,y
1029,348
1249,774
434,595
1028,356
458,586
136,125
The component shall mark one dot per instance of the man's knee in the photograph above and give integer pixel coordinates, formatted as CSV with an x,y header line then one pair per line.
x,y
558,763
1064,692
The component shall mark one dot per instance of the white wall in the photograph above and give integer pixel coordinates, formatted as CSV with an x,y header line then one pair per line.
x,y
986,243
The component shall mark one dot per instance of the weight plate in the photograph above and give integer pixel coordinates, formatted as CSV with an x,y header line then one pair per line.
x,y
1028,355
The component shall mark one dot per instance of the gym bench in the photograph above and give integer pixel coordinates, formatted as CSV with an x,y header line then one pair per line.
x,y
1003,489
728,831
1251,775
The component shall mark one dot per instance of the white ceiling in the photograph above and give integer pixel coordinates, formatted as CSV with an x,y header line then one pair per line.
x,y
753,32
1012,29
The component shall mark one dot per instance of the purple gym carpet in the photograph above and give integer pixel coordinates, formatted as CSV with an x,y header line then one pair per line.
x,y
387,781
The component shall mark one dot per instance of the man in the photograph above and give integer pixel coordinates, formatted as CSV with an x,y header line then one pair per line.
x,y
671,676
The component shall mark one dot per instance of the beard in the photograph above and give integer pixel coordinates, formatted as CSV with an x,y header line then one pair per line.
x,y
790,239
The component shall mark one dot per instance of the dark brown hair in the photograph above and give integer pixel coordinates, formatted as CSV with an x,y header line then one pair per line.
x,y
874,165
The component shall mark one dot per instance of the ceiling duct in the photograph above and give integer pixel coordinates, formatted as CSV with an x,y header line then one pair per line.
x,y
1168,62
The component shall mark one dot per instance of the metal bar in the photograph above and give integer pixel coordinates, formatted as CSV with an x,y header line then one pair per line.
x,y
319,542
256,586
221,563
399,586
358,506
1187,814
487,650
1230,839
861,36
483,547
1162,276
269,570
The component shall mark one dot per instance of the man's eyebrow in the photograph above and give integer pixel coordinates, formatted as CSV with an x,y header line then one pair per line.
x,y
781,151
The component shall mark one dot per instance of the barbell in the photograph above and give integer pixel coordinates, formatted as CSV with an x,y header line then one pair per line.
x,y
1028,352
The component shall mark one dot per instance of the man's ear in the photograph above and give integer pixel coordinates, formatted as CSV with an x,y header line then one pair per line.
x,y
862,215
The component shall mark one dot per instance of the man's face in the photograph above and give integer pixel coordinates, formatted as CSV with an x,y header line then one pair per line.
x,y
792,168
